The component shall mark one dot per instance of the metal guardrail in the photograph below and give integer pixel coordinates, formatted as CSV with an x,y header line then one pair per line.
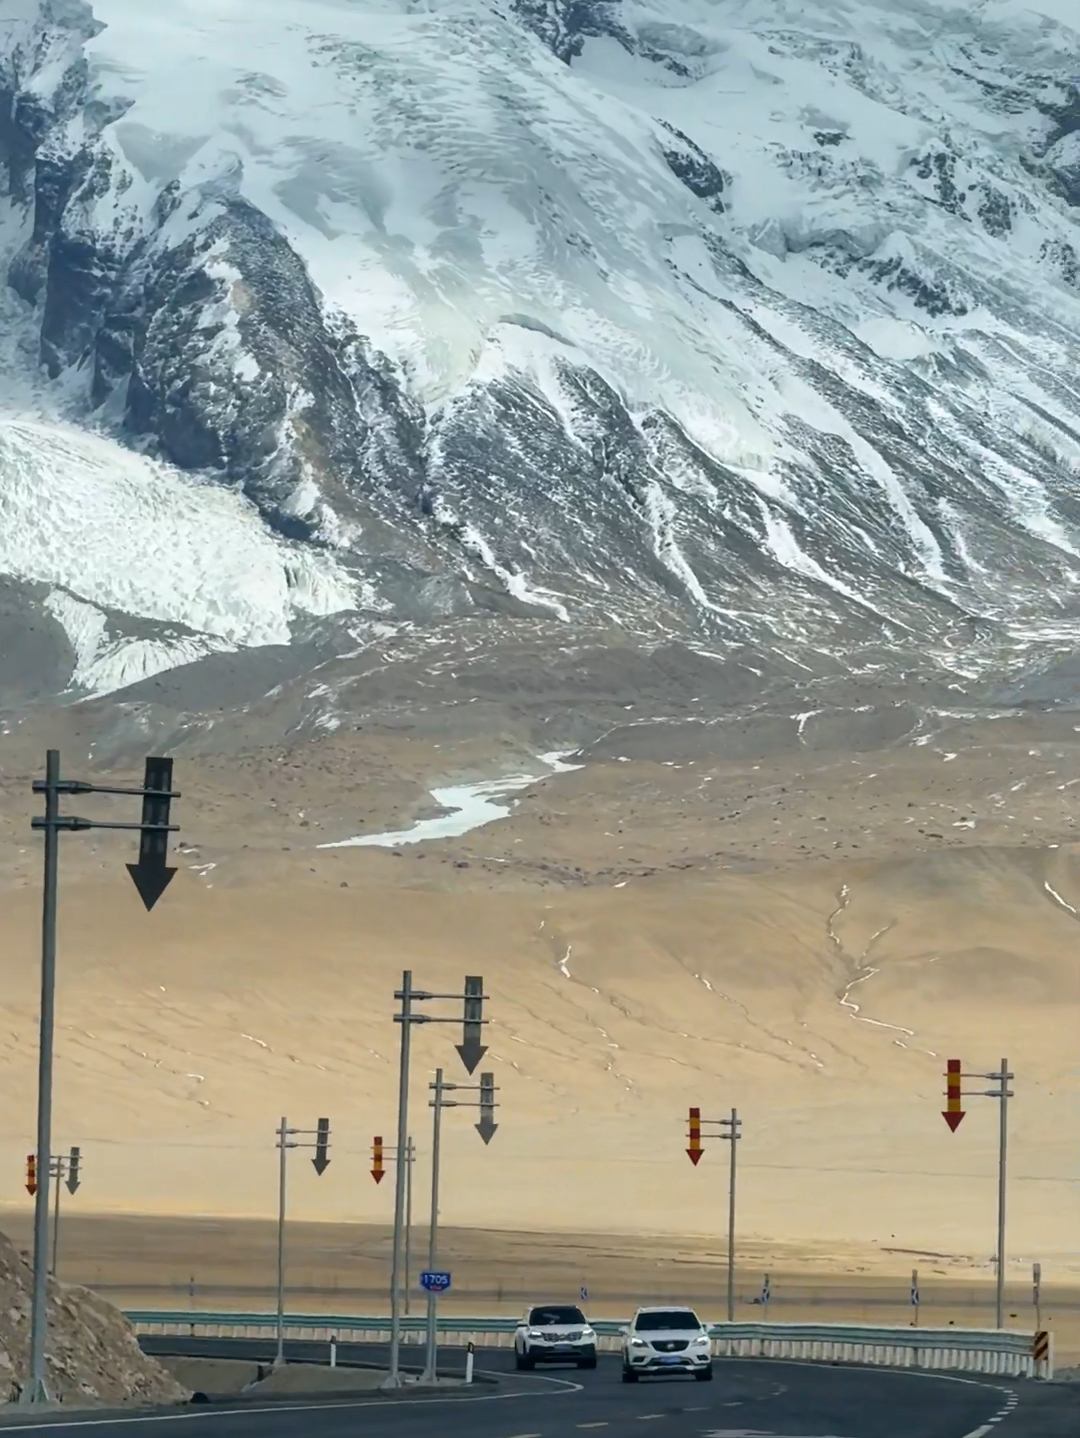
x,y
1005,1352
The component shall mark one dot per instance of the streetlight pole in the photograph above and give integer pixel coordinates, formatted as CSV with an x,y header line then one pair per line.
x,y
283,1147
1003,1141
733,1136
431,1347
486,1128
730,1132
471,1051
36,1390
953,1114
406,1019
290,1138
151,877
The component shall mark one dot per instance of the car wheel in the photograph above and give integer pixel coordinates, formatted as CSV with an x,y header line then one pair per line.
x,y
629,1376
525,1363
704,1375
589,1362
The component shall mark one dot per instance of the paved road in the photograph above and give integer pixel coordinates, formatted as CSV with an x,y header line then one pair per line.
x,y
746,1398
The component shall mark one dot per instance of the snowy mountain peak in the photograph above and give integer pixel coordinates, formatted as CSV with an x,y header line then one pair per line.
x,y
738,321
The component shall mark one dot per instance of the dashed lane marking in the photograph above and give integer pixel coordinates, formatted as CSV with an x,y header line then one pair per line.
x,y
592,1425
1011,1400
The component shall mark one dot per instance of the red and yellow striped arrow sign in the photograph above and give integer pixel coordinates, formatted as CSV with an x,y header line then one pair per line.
x,y
952,1113
377,1169
694,1151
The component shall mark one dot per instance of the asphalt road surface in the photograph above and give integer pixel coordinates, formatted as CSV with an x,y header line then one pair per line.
x,y
747,1399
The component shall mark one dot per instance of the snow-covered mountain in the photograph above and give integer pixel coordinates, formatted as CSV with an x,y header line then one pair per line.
x,y
744,322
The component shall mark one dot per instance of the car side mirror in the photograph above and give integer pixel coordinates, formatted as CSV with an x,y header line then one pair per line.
x,y
624,1332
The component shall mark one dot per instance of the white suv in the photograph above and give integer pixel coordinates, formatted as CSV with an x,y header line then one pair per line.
x,y
554,1333
666,1340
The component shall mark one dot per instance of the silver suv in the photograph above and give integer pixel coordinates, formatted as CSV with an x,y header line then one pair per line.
x,y
554,1333
666,1340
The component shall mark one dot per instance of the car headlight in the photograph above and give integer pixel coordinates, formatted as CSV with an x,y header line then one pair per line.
x,y
638,1343
702,1342
587,1332
534,1333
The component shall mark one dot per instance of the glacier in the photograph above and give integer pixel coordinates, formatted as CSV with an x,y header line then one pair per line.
x,y
741,323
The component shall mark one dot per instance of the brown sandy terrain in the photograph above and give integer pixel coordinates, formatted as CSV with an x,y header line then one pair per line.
x,y
660,928
144,1262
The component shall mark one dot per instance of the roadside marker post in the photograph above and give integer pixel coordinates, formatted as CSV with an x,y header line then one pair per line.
x,y
486,1129
953,1114
766,1296
730,1132
915,1299
471,1051
293,1138
151,876
1036,1293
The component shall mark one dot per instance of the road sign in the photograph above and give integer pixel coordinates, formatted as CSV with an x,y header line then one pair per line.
x,y
435,1281
471,1049
74,1159
151,874
487,1125
378,1169
31,1174
694,1151
322,1143
952,1113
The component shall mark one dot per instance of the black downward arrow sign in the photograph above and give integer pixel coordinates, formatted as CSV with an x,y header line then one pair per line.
x,y
151,875
487,1125
322,1140
471,1050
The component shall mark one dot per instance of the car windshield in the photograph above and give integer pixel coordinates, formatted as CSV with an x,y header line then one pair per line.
x,y
666,1318
553,1316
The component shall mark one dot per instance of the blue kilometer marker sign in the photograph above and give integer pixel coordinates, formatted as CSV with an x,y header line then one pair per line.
x,y
433,1281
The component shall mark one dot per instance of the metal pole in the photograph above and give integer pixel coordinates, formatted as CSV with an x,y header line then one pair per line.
x,y
1001,1194
56,1220
393,1379
409,1156
431,1352
279,1357
35,1390
731,1222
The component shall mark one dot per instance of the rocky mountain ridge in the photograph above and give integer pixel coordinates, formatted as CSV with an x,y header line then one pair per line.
x,y
752,327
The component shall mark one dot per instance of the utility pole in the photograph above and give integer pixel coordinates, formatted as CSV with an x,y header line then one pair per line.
x,y
953,1114
151,876
471,1051
290,1138
729,1131
485,1102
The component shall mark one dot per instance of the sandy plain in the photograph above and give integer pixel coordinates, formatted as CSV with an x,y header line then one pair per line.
x,y
805,935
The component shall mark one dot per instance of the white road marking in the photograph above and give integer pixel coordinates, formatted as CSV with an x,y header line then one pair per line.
x,y
561,1386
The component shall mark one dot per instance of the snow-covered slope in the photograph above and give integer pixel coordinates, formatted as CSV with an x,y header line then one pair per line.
x,y
742,320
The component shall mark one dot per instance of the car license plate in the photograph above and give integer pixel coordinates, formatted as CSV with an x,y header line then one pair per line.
x,y
671,1358
564,1347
